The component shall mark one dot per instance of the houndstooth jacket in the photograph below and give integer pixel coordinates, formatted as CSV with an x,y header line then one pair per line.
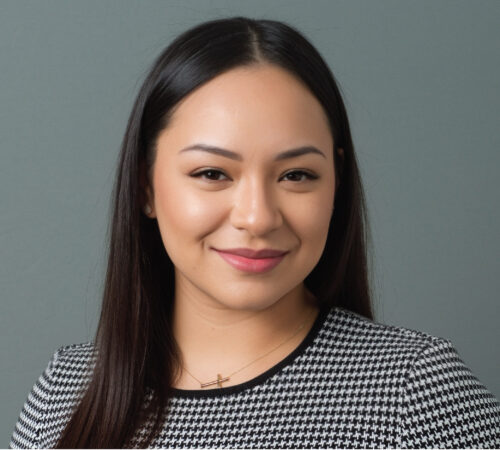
x,y
351,383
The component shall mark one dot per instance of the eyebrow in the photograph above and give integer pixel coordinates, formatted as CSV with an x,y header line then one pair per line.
x,y
287,154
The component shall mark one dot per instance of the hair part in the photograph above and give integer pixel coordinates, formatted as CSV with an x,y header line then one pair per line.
x,y
135,354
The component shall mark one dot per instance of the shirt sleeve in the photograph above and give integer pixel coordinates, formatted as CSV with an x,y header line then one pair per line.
x,y
445,405
27,430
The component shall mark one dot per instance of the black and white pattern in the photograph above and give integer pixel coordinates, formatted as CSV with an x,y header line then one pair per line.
x,y
351,383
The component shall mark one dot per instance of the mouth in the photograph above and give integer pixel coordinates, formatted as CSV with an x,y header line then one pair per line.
x,y
252,265
254,254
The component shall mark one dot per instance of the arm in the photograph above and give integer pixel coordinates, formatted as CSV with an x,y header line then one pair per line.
x,y
27,430
445,405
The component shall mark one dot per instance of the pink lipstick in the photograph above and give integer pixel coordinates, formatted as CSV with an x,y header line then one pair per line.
x,y
249,260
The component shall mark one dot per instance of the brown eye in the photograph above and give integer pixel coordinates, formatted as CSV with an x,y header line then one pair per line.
x,y
209,174
297,174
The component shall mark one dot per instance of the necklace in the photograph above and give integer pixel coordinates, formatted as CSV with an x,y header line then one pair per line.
x,y
220,379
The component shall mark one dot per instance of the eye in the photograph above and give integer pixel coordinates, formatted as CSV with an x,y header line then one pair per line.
x,y
214,174
211,174
300,173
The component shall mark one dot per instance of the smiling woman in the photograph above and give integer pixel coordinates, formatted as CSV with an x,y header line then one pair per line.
x,y
205,197
236,311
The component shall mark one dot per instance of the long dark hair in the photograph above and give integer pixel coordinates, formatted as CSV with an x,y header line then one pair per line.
x,y
136,356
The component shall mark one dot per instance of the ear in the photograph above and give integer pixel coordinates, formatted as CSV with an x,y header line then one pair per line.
x,y
146,193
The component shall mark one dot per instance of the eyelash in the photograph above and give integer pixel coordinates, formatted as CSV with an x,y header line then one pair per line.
x,y
308,175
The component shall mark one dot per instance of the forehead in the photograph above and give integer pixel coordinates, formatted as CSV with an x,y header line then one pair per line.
x,y
260,105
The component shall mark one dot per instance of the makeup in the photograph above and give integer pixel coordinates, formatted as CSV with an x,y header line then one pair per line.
x,y
259,265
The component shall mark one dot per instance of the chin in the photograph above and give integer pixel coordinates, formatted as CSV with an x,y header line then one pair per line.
x,y
246,303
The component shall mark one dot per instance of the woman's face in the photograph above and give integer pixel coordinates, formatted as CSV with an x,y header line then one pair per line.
x,y
249,195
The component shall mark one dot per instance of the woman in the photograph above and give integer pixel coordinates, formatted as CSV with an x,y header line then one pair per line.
x,y
236,310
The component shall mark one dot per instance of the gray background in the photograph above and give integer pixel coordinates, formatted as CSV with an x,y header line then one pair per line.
x,y
420,80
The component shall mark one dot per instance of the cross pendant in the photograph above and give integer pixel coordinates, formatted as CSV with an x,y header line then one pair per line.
x,y
218,381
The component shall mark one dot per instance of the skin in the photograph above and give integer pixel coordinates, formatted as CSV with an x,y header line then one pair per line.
x,y
225,318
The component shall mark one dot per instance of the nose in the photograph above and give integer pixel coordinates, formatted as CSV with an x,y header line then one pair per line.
x,y
255,208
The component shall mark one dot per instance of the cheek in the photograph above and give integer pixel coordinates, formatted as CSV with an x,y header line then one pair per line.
x,y
310,220
312,215
183,214
313,225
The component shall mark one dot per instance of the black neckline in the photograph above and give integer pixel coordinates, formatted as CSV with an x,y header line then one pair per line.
x,y
220,392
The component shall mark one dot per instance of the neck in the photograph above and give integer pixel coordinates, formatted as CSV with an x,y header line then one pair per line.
x,y
214,339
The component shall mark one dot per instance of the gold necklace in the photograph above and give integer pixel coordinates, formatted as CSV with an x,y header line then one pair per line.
x,y
220,379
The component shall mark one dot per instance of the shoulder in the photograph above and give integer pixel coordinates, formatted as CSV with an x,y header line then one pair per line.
x,y
54,395
76,354
70,368
368,337
434,397
376,357
380,356
73,362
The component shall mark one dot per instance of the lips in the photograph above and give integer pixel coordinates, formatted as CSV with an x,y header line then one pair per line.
x,y
253,254
252,264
